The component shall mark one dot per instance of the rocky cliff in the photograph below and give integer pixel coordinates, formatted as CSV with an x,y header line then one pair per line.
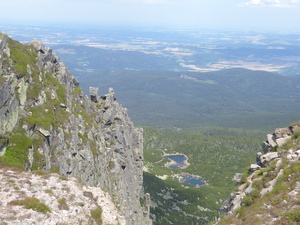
x,y
269,192
46,123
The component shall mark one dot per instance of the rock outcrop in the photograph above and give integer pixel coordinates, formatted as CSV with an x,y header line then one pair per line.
x,y
46,123
279,154
65,200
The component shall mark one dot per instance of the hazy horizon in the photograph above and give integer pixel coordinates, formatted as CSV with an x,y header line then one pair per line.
x,y
256,15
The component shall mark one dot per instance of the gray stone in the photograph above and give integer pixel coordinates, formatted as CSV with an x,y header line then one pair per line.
x,y
237,177
254,167
266,147
44,132
282,141
282,132
272,140
249,190
295,128
267,158
104,151
94,94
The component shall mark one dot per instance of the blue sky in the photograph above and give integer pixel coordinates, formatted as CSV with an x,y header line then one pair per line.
x,y
276,15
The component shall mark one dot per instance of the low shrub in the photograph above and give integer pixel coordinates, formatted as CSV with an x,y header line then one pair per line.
x,y
293,216
32,203
97,215
62,204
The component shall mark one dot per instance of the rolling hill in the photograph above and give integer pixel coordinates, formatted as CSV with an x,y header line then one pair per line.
x,y
228,98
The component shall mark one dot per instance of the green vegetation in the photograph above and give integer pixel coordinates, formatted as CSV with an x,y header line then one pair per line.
x,y
77,90
17,151
97,215
293,215
215,154
49,191
230,100
62,204
111,164
281,202
22,55
48,114
239,98
63,177
60,88
39,172
11,181
32,203
55,169
2,79
294,142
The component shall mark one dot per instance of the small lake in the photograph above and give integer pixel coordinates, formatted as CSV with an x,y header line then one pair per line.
x,y
191,179
180,162
177,161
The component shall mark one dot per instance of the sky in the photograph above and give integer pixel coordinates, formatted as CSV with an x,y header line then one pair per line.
x,y
269,15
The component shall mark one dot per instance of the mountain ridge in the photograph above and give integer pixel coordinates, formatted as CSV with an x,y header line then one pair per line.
x,y
48,124
268,192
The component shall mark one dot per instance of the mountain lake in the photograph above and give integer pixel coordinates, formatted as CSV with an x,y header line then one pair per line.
x,y
180,162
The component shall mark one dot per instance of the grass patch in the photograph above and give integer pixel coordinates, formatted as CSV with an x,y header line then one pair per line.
x,y
293,216
49,191
63,177
47,114
17,150
2,79
11,181
77,90
32,203
62,204
97,215
54,169
22,55
39,172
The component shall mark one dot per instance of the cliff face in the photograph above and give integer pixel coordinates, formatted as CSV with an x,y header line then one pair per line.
x,y
269,192
46,123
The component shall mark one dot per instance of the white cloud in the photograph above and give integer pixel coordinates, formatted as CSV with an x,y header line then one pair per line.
x,y
271,3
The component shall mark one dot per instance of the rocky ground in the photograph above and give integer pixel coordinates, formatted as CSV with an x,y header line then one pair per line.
x,y
270,192
39,198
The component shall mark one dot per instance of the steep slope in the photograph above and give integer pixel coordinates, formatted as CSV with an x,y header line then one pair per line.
x,y
269,193
46,123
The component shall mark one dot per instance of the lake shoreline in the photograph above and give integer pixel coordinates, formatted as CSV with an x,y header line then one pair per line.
x,y
181,178
174,163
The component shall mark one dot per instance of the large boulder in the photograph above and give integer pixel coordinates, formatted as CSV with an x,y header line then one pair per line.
x,y
267,158
283,132
272,140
